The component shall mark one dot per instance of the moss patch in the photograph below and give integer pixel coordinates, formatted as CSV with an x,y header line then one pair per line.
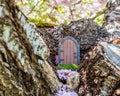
x,y
68,66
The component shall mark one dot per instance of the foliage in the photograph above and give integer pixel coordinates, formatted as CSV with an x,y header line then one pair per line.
x,y
55,12
99,19
68,66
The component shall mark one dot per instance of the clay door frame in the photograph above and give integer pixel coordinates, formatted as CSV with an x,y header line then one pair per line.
x,y
61,41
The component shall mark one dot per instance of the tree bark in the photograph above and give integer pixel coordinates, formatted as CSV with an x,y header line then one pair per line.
x,y
100,72
85,31
24,70
99,76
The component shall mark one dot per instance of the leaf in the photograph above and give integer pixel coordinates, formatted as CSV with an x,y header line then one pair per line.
x,y
87,1
60,9
65,22
22,4
78,15
99,20
53,18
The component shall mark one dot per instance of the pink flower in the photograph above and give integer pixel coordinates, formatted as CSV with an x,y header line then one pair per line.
x,y
86,58
70,94
56,59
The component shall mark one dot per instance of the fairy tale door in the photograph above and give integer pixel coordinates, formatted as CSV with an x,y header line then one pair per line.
x,y
69,51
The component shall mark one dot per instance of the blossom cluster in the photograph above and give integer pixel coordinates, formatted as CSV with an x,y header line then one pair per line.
x,y
64,93
61,11
63,75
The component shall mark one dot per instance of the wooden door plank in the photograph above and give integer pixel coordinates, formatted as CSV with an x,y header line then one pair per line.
x,y
64,53
69,50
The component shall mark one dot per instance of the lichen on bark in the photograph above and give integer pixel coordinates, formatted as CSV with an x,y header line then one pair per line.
x,y
23,69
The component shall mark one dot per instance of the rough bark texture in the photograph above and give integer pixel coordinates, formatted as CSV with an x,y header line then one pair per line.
x,y
101,71
99,76
24,70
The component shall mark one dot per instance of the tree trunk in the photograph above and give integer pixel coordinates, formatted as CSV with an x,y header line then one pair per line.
x,y
99,76
100,72
24,70
85,31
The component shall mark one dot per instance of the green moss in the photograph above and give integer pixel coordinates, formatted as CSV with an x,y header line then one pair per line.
x,y
68,66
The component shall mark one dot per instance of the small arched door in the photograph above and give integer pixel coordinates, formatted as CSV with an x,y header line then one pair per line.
x,y
69,51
